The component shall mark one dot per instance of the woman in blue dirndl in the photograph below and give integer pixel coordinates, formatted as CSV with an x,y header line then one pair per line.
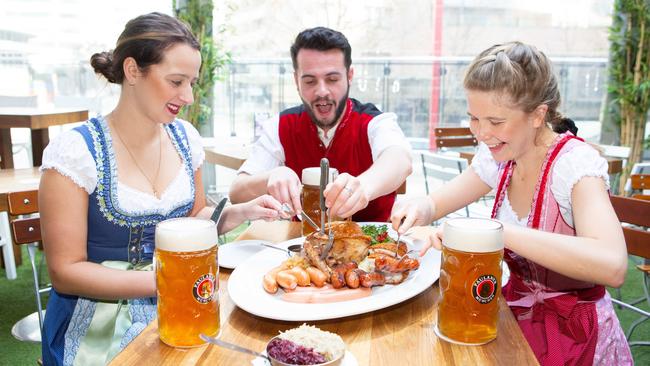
x,y
107,183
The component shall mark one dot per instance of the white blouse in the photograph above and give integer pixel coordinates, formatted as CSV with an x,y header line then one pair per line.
x,y
68,154
581,161
267,152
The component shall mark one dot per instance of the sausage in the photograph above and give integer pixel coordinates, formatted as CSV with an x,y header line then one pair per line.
x,y
337,279
388,264
352,277
316,276
372,279
287,280
302,277
269,282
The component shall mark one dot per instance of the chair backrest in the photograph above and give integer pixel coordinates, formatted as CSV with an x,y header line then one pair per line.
x,y
454,137
615,151
441,167
634,214
637,168
25,230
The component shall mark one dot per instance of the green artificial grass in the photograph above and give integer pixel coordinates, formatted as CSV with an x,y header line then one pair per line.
x,y
17,300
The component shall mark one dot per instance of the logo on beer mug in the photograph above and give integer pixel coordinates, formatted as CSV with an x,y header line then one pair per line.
x,y
484,288
203,289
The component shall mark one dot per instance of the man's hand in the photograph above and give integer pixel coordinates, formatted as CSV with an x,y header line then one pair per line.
x,y
345,196
284,185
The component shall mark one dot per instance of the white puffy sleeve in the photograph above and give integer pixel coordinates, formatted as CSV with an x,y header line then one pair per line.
x,y
196,145
485,166
68,154
267,152
384,132
581,161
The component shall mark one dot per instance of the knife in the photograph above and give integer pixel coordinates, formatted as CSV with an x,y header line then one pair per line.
x,y
324,177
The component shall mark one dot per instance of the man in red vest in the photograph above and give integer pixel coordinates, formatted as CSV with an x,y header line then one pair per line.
x,y
366,146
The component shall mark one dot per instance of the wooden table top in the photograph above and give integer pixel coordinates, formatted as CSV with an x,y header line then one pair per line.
x,y
399,335
16,180
228,155
40,118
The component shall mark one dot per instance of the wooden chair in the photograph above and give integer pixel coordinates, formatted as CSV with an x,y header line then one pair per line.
x,y
454,137
640,182
634,215
26,230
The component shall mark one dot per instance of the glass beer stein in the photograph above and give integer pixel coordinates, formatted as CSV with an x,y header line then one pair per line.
x,y
470,280
187,280
310,196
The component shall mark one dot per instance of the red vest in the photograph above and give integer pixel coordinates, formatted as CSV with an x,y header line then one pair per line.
x,y
348,152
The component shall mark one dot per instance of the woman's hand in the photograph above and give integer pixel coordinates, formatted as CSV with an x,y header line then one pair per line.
x,y
284,185
263,207
409,212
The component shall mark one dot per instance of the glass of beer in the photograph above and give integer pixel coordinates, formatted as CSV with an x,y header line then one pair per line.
x,y
187,280
470,280
311,196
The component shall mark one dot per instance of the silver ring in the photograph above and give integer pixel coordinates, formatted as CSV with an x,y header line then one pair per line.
x,y
349,190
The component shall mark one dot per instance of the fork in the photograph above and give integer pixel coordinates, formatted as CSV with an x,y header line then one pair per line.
x,y
330,237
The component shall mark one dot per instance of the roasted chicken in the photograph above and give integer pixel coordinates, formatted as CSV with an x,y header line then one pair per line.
x,y
350,245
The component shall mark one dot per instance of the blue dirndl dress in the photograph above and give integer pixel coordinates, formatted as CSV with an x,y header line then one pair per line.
x,y
117,239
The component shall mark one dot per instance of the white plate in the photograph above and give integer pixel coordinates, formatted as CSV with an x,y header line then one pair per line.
x,y
245,289
232,254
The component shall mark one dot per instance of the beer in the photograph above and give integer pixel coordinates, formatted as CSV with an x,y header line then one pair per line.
x,y
187,281
311,196
470,280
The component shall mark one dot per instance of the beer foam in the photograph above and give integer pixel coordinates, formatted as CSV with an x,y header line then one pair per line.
x,y
311,176
473,235
186,234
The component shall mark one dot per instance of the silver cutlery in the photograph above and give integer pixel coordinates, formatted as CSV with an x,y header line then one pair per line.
x,y
232,346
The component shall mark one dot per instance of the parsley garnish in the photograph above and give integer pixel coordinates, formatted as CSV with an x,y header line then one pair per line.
x,y
378,234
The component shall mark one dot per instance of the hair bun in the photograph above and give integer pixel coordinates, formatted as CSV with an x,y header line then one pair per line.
x,y
566,124
102,63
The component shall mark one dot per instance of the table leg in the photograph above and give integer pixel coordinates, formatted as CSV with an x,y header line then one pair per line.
x,y
40,139
6,153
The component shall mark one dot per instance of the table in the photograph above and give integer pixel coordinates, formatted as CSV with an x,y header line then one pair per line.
x,y
13,180
227,155
399,335
37,120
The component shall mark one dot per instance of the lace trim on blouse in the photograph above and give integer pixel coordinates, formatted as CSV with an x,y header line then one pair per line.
x,y
581,161
69,155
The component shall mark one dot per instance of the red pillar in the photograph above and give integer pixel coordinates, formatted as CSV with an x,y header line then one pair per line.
x,y
434,105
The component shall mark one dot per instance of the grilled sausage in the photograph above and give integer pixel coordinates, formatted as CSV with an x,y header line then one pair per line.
x,y
352,277
372,279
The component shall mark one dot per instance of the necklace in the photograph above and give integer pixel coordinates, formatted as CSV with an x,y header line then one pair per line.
x,y
151,182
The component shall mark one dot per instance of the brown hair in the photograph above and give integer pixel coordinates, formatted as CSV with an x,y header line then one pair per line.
x,y
144,38
524,74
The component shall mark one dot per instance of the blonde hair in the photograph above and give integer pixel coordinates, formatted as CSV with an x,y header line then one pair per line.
x,y
522,73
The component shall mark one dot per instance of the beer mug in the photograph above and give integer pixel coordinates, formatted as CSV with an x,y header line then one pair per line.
x,y
187,280
470,280
311,196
